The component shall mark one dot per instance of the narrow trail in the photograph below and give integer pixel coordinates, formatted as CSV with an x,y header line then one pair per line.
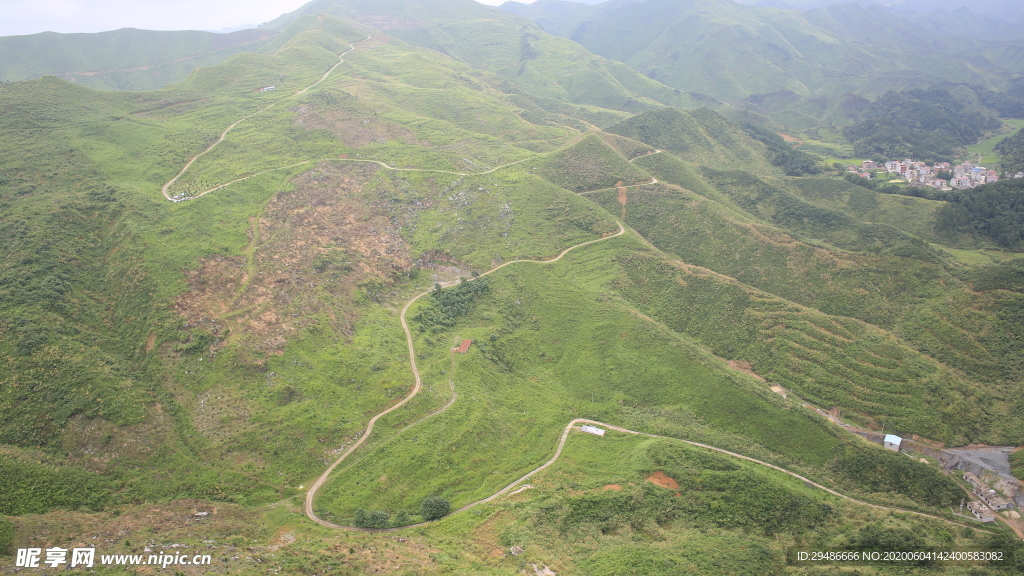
x,y
644,155
341,59
311,494
224,134
315,487
651,183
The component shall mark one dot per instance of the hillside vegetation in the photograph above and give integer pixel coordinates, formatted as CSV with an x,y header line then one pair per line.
x,y
698,136
927,125
589,164
204,290
1011,153
801,68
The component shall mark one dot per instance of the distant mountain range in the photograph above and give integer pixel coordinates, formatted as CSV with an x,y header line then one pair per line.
x,y
736,53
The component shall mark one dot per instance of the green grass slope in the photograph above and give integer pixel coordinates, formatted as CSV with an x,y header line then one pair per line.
x,y
795,67
229,347
547,350
882,276
514,48
136,330
915,215
698,136
589,164
731,51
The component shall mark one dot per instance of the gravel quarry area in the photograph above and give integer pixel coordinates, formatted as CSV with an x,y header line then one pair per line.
x,y
996,459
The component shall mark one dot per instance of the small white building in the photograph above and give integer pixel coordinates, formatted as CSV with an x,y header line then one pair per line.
x,y
892,442
592,430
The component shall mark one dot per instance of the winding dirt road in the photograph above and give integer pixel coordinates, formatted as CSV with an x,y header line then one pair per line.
x,y
315,487
341,59
163,190
417,385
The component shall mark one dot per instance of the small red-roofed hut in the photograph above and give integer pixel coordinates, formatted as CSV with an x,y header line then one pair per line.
x,y
464,347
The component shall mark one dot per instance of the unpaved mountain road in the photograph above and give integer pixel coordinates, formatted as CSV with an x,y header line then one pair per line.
x,y
417,385
311,494
164,189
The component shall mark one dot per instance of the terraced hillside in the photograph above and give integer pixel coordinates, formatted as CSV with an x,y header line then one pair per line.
x,y
208,288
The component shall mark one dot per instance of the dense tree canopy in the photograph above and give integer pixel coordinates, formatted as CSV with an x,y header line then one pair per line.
x,y
435,507
927,125
794,162
993,211
1011,152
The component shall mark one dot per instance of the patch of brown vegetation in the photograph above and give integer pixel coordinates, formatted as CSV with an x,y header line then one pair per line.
x,y
485,538
236,538
615,487
353,130
659,478
150,341
96,443
314,249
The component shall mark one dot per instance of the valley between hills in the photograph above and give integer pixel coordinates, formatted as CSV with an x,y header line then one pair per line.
x,y
220,337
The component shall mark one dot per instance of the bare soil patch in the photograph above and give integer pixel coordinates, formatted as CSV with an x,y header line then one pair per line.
x,y
314,251
659,478
354,130
745,367
790,139
612,487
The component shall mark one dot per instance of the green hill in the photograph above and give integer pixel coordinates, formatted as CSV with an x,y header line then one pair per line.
x,y
700,136
589,164
528,58
126,59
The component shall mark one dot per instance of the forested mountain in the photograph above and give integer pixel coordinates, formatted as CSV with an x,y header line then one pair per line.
x,y
378,272
799,68
928,125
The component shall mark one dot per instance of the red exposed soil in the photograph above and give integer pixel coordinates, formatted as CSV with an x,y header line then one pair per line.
x,y
659,478
745,367
612,487
790,139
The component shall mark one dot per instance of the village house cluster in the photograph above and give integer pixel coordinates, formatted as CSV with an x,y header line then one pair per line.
x,y
990,497
916,173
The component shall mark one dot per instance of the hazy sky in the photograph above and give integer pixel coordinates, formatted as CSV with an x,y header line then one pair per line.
x,y
31,16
